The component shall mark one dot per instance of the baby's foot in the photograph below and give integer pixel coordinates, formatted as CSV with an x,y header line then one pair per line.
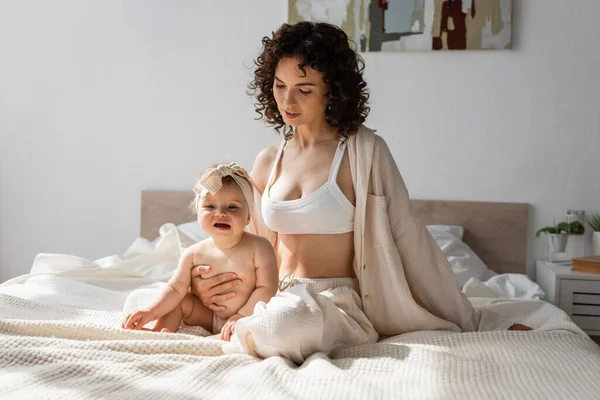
x,y
166,330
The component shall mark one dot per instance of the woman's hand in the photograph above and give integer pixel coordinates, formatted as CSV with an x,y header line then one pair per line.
x,y
215,290
519,327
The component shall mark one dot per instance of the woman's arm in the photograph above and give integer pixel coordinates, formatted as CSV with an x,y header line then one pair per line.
x,y
426,267
261,170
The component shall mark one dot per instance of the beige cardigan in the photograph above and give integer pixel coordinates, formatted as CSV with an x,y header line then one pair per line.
x,y
405,279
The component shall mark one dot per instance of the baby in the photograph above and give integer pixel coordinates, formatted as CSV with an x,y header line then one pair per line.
x,y
223,202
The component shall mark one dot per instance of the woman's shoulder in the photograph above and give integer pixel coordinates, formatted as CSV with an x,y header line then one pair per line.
x,y
262,165
380,142
267,155
366,135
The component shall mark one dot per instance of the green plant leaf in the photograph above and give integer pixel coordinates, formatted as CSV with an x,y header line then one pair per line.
x,y
594,221
546,229
563,227
576,228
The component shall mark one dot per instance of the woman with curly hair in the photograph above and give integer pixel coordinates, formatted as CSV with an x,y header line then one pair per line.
x,y
354,260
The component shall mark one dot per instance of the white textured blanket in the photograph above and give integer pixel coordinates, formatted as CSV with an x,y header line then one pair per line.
x,y
60,338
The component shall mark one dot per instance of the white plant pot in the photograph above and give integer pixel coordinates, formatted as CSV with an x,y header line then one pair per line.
x,y
596,244
558,242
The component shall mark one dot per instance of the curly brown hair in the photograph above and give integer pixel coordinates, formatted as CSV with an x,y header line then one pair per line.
x,y
325,48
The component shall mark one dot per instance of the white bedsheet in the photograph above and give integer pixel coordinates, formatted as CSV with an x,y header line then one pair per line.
x,y
60,338
514,286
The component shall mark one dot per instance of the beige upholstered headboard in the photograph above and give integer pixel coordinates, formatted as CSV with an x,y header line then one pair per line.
x,y
497,232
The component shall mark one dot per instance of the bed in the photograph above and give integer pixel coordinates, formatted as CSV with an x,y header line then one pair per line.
x,y
60,335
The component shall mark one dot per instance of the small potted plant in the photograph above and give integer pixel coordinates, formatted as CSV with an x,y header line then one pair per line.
x,y
594,223
576,228
557,236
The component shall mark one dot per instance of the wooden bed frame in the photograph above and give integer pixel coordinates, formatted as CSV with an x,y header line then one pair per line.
x,y
497,232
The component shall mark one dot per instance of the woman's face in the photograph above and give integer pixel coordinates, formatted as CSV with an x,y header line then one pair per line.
x,y
300,97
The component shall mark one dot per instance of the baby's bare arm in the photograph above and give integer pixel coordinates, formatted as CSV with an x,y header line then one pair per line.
x,y
177,287
267,276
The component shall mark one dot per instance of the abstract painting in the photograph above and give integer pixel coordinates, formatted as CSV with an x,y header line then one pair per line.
x,y
413,25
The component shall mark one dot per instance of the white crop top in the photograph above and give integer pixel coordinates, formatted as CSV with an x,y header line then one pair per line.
x,y
325,211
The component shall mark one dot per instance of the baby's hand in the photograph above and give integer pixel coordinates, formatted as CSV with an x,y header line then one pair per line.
x,y
138,319
229,327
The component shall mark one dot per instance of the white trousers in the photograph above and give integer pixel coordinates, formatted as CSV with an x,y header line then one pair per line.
x,y
305,317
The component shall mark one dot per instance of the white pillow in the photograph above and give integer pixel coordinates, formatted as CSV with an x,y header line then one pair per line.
x,y
456,230
515,286
465,263
193,231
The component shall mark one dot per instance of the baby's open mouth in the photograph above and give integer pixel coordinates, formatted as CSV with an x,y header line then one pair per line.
x,y
220,225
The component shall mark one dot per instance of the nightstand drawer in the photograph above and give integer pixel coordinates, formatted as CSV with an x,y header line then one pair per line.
x,y
580,291
586,309
587,322
586,298
581,300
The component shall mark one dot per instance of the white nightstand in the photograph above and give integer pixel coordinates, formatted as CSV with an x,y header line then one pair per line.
x,y
576,293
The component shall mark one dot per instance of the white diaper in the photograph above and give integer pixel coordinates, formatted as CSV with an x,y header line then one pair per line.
x,y
217,324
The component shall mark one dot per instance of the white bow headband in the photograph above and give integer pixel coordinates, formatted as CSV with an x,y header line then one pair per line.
x,y
212,181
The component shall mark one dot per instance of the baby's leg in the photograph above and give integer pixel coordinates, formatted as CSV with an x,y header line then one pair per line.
x,y
171,321
195,313
191,311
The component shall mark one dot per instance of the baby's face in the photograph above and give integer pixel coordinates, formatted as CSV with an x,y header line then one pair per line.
x,y
224,213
